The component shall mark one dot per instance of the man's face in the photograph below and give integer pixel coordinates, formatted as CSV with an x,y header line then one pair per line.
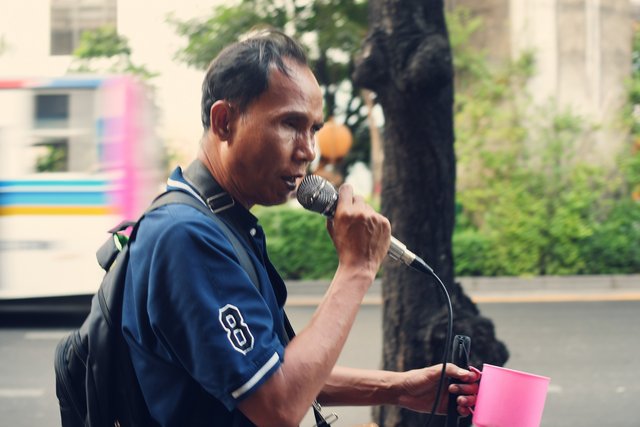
x,y
272,142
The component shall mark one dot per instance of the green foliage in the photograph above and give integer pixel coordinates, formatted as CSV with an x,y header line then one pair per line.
x,y
298,243
533,205
471,252
104,50
530,204
102,42
331,31
323,26
635,51
630,164
53,158
469,64
208,36
536,228
614,246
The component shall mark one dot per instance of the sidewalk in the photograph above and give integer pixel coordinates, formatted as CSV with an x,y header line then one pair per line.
x,y
503,289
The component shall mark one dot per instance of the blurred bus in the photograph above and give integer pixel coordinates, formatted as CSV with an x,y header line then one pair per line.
x,y
78,154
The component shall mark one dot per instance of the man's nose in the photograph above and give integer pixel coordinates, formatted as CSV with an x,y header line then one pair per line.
x,y
305,150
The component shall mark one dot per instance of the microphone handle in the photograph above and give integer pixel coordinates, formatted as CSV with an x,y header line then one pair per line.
x,y
398,252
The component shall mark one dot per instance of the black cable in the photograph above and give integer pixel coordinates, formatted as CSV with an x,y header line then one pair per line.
x,y
420,265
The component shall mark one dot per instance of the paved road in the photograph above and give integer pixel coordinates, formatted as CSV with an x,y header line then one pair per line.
x,y
589,349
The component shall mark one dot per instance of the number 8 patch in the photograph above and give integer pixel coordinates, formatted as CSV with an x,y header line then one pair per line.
x,y
237,331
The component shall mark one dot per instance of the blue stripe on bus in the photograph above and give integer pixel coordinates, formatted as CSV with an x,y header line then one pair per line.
x,y
68,83
52,183
54,198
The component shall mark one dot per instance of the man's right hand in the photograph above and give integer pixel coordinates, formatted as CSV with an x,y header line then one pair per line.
x,y
360,234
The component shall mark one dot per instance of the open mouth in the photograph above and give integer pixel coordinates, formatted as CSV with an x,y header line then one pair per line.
x,y
290,181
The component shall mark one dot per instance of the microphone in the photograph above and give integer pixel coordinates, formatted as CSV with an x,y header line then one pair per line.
x,y
319,195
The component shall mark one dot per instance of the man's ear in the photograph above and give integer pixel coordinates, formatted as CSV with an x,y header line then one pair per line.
x,y
221,115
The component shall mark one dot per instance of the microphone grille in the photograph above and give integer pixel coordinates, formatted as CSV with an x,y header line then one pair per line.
x,y
317,194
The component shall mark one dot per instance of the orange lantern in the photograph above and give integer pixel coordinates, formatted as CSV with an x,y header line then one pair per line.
x,y
335,140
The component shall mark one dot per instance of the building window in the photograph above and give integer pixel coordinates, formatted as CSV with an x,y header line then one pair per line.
x,y
70,18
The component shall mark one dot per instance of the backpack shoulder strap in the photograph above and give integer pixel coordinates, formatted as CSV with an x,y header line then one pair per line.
x,y
107,253
178,196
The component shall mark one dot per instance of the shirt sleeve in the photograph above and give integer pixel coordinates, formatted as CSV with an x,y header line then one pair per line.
x,y
203,308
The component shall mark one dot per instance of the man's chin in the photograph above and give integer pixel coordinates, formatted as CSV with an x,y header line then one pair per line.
x,y
278,202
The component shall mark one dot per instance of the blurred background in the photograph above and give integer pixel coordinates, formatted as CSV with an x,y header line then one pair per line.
x,y
100,100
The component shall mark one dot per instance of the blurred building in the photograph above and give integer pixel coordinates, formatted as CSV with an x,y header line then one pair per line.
x,y
37,38
582,50
79,153
635,9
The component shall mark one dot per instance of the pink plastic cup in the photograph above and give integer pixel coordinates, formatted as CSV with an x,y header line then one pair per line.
x,y
509,398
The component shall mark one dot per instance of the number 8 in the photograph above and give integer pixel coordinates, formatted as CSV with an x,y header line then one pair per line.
x,y
237,330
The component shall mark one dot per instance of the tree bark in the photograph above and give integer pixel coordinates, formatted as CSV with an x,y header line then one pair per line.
x,y
406,60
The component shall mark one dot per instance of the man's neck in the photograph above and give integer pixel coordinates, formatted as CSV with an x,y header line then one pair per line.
x,y
210,158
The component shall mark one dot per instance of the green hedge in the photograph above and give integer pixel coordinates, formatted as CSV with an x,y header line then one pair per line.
x,y
568,243
614,247
565,244
298,243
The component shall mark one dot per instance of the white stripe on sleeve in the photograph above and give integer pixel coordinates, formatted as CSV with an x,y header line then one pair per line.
x,y
257,377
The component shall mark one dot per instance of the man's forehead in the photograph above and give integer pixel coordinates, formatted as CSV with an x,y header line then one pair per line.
x,y
293,70
299,81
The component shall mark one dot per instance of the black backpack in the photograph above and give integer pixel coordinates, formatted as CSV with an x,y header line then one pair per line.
x,y
95,380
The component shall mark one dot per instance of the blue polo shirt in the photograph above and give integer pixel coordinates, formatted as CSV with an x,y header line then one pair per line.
x,y
202,336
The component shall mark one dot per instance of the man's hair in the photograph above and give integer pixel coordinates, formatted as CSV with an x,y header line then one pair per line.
x,y
240,73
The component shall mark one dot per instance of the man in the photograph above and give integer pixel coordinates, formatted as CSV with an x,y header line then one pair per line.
x,y
207,344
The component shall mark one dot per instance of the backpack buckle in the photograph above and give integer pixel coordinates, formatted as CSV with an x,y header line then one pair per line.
x,y
320,420
220,202
330,419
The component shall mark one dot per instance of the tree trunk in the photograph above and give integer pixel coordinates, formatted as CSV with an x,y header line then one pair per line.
x,y
407,62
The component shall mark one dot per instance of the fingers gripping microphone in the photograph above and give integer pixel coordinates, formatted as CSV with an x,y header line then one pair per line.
x,y
318,195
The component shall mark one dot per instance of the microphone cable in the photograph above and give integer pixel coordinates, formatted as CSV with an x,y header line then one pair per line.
x,y
319,195
421,266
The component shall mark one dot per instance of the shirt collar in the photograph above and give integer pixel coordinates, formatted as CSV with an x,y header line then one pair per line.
x,y
226,206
